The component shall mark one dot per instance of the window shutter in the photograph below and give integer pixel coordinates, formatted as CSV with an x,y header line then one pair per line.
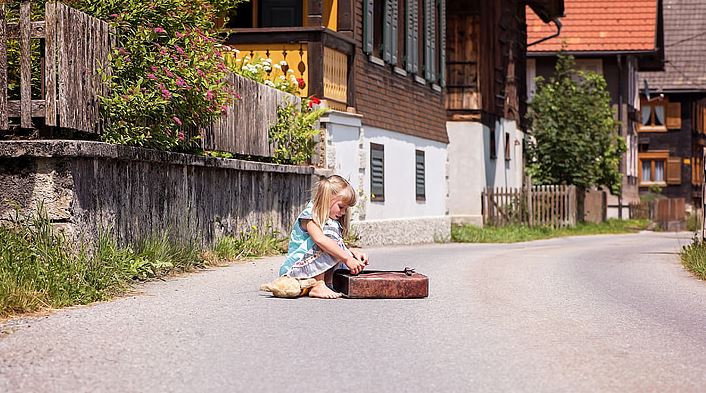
x,y
442,50
674,115
412,42
387,32
393,31
419,178
368,26
427,39
433,24
408,34
674,170
377,172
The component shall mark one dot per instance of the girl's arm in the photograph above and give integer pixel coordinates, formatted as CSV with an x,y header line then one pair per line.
x,y
330,247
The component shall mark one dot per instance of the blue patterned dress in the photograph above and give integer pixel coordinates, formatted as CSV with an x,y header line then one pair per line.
x,y
304,258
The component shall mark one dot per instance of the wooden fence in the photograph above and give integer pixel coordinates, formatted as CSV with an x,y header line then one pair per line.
x,y
244,128
75,45
668,213
534,206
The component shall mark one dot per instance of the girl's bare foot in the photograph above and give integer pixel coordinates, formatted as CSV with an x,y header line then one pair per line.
x,y
320,290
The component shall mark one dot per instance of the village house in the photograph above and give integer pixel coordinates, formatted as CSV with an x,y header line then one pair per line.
x,y
382,67
672,119
485,97
615,39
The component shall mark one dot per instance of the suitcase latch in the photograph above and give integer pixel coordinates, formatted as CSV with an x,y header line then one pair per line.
x,y
408,270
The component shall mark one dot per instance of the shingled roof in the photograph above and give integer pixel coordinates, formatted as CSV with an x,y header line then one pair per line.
x,y
684,47
599,26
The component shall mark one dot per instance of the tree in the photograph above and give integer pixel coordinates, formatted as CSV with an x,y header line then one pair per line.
x,y
575,139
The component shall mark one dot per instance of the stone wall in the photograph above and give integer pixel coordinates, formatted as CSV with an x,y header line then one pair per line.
x,y
88,187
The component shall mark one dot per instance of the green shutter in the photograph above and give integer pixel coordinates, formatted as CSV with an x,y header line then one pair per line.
x,y
412,41
419,174
393,31
368,26
387,31
377,172
408,34
432,40
427,39
442,50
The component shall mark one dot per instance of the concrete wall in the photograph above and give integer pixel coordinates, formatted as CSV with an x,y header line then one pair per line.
x,y
89,187
471,169
400,219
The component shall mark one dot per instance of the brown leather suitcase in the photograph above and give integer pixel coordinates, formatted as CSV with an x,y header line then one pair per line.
x,y
375,284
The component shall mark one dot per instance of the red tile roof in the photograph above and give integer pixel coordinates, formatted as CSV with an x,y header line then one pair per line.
x,y
598,26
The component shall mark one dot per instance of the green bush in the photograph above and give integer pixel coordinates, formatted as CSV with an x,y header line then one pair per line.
x,y
293,134
693,257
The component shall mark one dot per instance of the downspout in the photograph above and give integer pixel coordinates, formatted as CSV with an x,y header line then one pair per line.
x,y
620,119
558,30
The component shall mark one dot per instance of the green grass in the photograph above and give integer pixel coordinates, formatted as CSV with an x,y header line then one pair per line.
x,y
250,244
40,269
693,257
521,233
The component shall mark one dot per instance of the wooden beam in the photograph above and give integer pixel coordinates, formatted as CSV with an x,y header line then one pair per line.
x,y
25,67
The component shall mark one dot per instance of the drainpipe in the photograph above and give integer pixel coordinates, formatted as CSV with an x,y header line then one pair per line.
x,y
620,119
558,30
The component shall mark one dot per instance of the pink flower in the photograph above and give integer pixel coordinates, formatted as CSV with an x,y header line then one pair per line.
x,y
113,15
154,69
151,76
179,49
179,35
159,30
181,136
177,121
209,95
224,109
238,96
180,82
168,73
201,73
222,67
166,94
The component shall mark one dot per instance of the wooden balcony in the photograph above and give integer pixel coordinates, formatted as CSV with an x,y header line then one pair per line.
x,y
322,57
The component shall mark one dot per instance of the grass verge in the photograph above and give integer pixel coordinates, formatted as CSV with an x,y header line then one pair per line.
x,y
40,269
693,257
521,233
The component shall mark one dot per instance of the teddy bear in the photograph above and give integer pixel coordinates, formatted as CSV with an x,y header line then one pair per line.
x,y
289,287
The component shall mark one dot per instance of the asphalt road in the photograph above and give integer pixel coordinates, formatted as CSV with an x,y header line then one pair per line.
x,y
602,313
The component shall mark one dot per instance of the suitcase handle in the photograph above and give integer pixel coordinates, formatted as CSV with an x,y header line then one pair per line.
x,y
408,270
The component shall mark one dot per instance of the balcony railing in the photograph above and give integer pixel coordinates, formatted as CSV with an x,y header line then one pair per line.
x,y
323,58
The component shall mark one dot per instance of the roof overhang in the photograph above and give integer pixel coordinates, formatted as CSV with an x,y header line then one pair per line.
x,y
547,10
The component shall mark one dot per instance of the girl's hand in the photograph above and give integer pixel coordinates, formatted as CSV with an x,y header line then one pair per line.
x,y
354,265
363,257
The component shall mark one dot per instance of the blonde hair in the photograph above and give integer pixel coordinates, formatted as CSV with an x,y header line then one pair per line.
x,y
323,194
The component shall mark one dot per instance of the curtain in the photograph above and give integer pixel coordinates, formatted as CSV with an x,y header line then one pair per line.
x,y
659,171
659,115
646,171
646,110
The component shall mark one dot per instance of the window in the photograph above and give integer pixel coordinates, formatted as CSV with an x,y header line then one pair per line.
x,y
653,115
658,168
508,157
659,115
377,172
493,149
419,175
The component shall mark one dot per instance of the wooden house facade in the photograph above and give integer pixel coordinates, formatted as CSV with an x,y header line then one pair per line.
x,y
401,76
615,40
672,121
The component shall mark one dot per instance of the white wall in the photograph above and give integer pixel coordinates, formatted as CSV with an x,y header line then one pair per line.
x,y
400,200
471,169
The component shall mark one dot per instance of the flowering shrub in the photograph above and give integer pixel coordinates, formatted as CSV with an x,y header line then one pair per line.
x,y
168,72
265,71
293,134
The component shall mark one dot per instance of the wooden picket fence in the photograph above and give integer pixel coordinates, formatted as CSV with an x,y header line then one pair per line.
x,y
550,205
75,45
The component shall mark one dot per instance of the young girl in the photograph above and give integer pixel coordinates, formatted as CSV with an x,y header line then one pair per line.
x,y
316,244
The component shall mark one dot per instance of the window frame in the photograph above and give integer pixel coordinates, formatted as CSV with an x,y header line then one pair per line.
x,y
653,156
